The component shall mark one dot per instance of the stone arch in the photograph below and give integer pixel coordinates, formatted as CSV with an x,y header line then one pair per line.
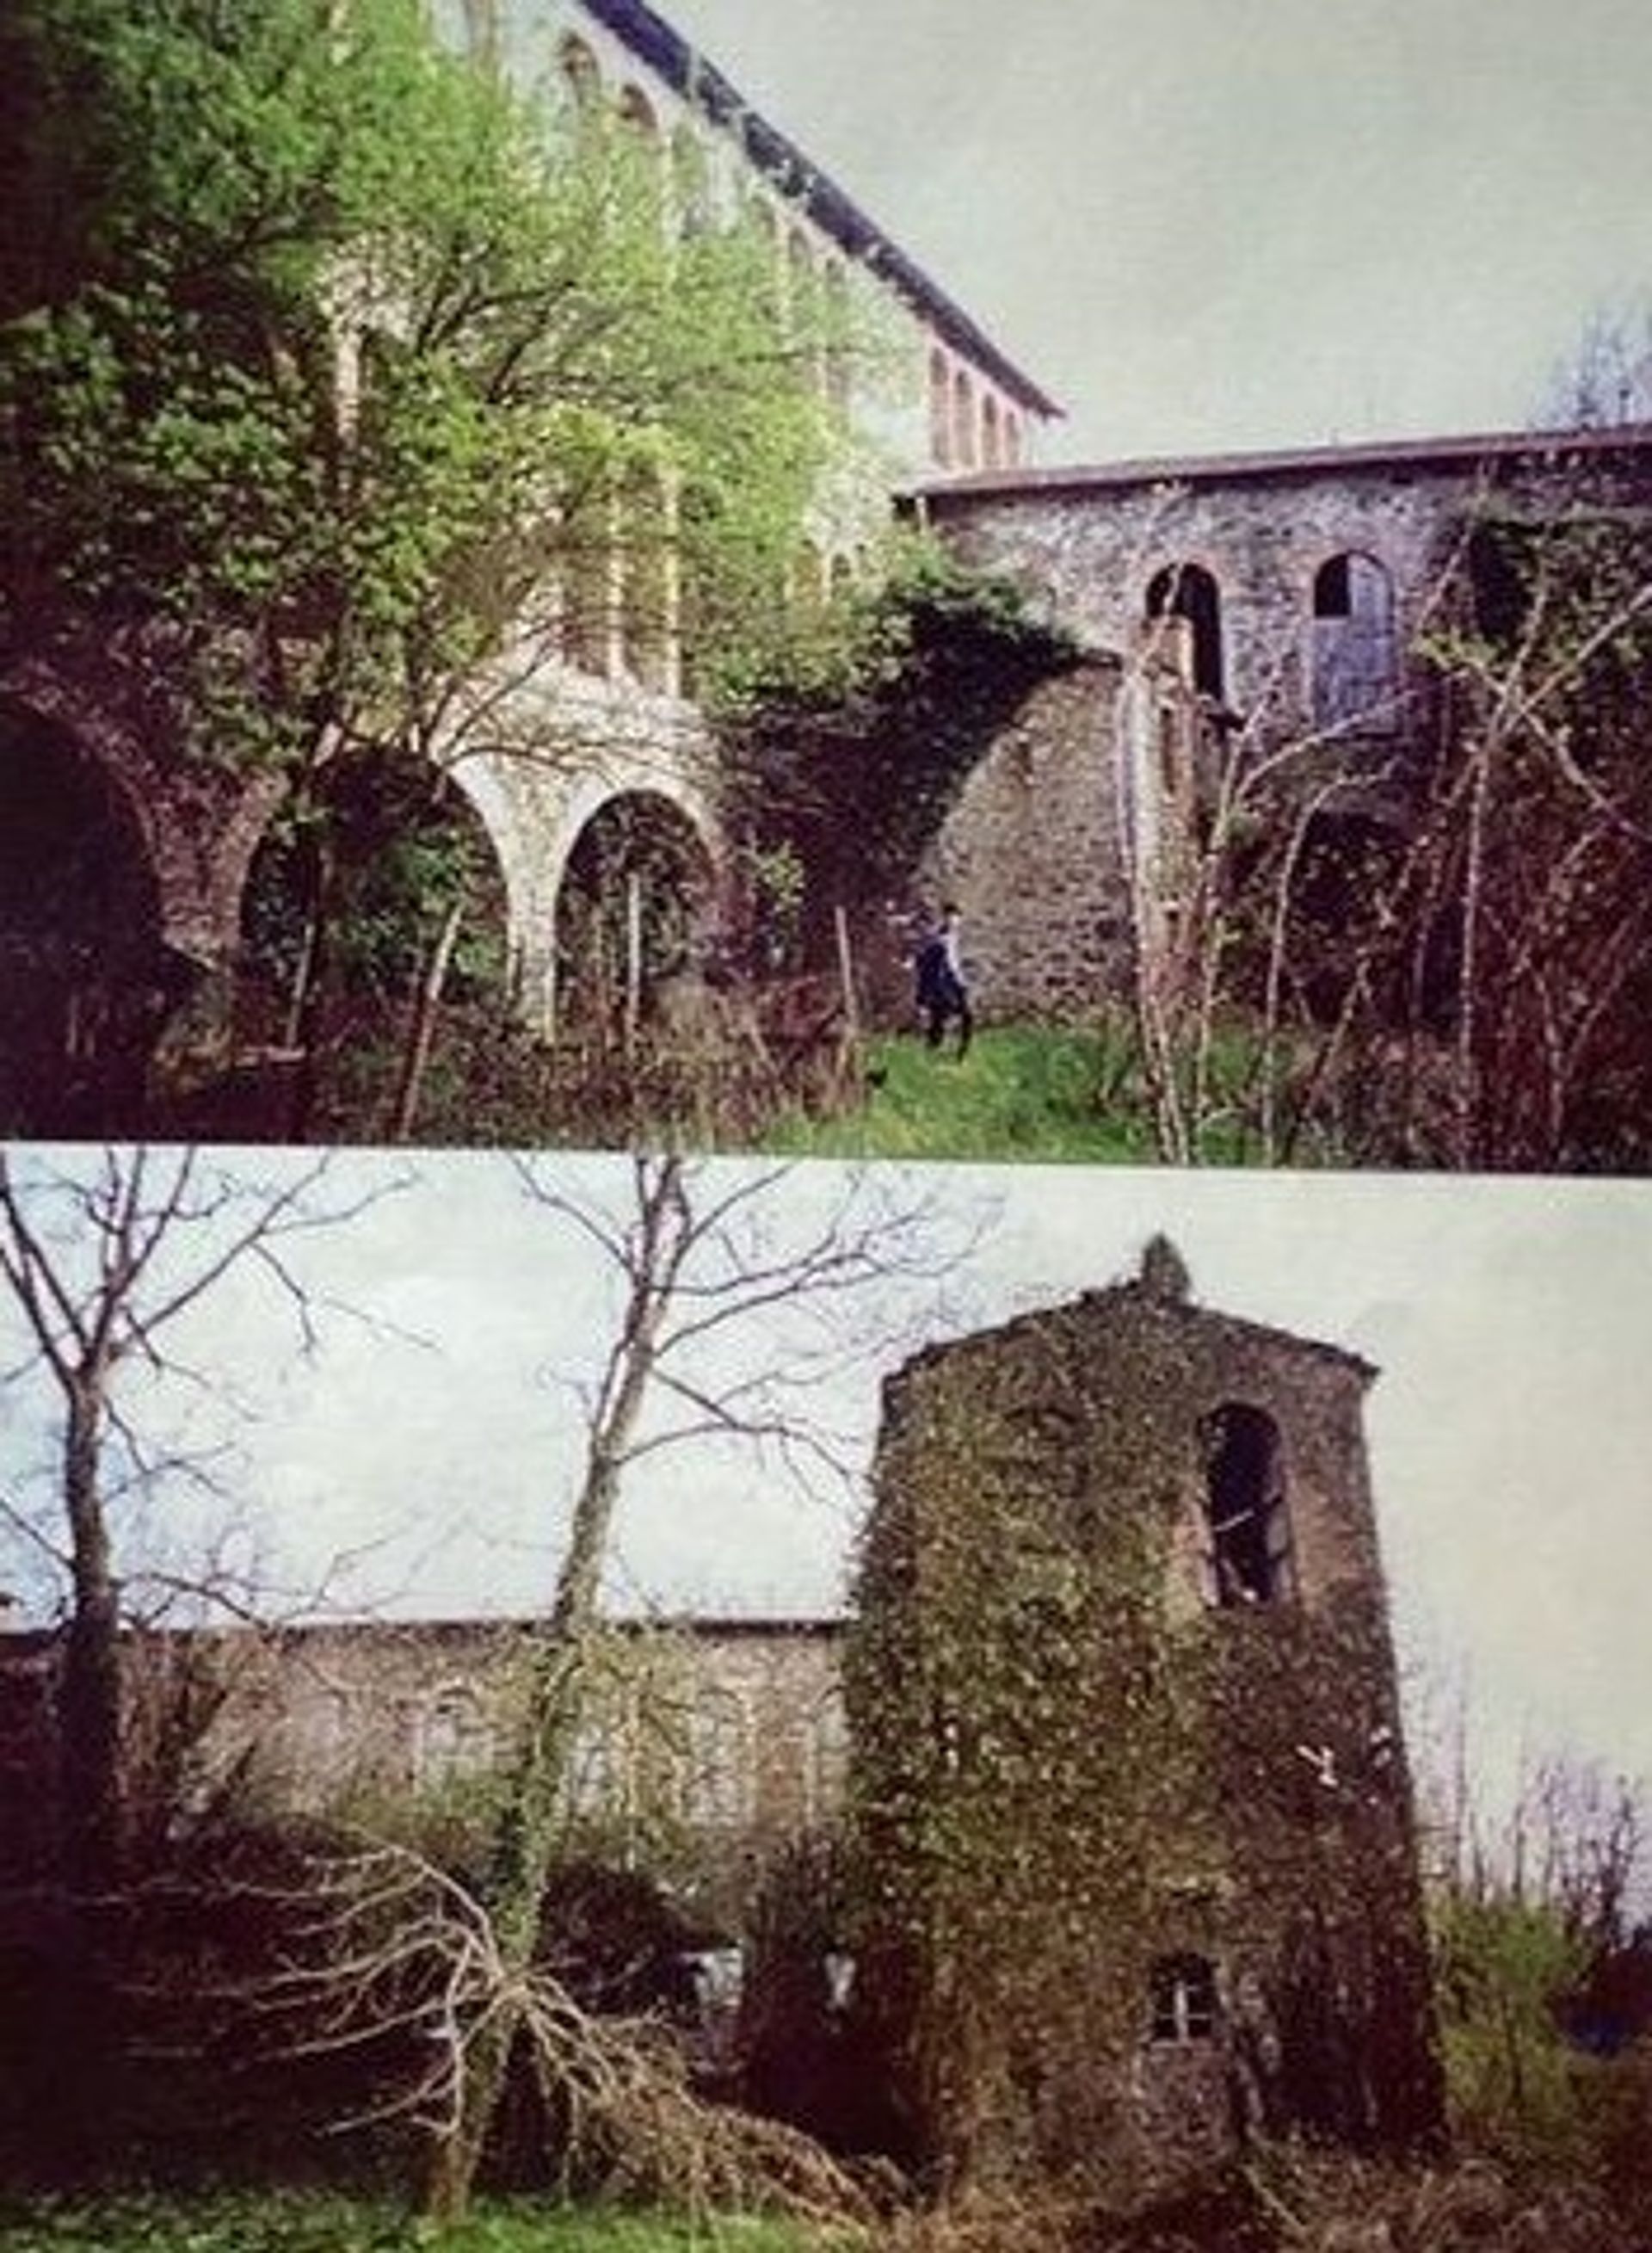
x,y
1354,668
636,902
86,980
1188,591
342,914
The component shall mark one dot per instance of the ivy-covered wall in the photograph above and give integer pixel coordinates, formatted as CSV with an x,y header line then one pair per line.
x,y
1136,1827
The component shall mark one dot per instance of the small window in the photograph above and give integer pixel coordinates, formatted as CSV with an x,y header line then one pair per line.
x,y
1188,591
1248,1524
718,1784
1184,1998
580,74
636,113
452,1738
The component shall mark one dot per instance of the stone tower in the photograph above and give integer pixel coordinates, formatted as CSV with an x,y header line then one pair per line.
x,y
1129,1768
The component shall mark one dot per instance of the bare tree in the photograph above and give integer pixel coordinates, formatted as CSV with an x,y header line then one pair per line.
x,y
739,1291
102,1259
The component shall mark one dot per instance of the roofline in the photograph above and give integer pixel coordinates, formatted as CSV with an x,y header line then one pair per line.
x,y
1466,451
21,1641
665,50
1132,1289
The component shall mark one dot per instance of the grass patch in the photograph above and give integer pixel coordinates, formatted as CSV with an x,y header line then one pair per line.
x,y
317,2222
1022,1093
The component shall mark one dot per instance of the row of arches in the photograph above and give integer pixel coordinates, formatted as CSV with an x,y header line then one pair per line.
x,y
329,923
1353,653
970,427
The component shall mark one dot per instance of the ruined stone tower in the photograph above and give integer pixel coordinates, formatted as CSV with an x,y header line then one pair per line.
x,y
1128,1756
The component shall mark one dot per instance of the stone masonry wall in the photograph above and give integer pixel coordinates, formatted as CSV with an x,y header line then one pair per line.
x,y
1088,784
1088,544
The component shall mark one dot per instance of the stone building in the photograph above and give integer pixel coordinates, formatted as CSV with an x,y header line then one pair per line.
x,y
1126,1732
124,877
1291,590
709,1744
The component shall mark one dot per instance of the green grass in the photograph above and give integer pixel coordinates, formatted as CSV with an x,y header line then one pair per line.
x,y
1022,1093
327,2222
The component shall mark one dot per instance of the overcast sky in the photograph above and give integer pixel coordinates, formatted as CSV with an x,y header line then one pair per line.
x,y
1215,224
1510,1428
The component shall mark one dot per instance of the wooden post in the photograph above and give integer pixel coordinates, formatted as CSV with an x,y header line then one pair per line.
x,y
634,957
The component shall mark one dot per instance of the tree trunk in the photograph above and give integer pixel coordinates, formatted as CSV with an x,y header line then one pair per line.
x,y
527,1832
89,1691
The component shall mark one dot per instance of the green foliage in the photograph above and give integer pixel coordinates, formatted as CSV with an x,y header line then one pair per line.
x,y
1030,1092
321,2222
1517,2088
324,350
850,741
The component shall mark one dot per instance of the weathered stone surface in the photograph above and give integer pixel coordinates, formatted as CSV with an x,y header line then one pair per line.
x,y
1123,1681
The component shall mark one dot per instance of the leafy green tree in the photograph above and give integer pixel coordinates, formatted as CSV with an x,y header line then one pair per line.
x,y
330,372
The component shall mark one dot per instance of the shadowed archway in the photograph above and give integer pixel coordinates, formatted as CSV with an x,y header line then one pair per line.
x,y
85,981
634,906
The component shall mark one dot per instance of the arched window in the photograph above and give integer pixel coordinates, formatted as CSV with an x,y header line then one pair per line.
x,y
452,1737
1188,591
964,432
1012,440
636,112
992,439
1183,1995
835,361
940,410
1246,1519
718,1785
1354,668
579,72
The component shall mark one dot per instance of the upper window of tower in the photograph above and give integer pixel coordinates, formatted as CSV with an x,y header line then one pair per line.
x,y
1247,1517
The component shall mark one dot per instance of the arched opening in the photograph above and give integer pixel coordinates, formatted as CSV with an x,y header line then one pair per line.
x,y
633,909
579,75
940,410
373,944
992,438
635,112
1247,1524
964,448
84,981
1355,679
1188,591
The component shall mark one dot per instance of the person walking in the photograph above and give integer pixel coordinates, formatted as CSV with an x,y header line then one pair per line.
x,y
943,990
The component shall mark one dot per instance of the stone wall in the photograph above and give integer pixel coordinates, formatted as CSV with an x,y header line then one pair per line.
x,y
1089,543
708,1744
1062,849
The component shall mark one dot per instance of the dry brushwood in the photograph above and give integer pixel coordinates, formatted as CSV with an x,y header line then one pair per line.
x,y
392,1956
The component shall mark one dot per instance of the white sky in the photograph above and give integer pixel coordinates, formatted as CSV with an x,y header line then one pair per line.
x,y
1510,1430
1215,224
